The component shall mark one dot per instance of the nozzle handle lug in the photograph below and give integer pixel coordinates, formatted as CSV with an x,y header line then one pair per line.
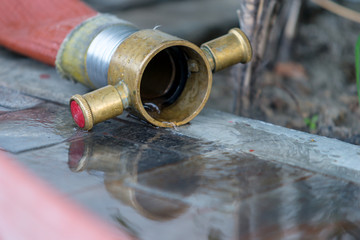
x,y
228,50
99,105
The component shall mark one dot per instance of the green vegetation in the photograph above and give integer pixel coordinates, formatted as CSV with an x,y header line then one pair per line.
x,y
311,122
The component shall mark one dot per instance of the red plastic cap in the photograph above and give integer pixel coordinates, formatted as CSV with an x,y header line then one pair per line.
x,y
77,114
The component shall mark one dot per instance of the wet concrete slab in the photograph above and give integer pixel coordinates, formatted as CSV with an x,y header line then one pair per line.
x,y
14,100
275,143
35,79
4,110
44,125
186,187
219,177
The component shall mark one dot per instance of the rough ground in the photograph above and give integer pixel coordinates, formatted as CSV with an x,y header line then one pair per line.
x,y
327,88
318,82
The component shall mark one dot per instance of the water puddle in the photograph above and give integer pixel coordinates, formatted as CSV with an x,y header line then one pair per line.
x,y
211,192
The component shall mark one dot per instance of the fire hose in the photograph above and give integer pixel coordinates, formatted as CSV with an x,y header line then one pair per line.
x,y
155,76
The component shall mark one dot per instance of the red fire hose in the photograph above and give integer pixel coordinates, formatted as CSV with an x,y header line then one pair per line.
x,y
37,28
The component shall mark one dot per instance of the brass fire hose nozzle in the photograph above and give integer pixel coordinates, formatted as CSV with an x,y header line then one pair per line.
x,y
155,76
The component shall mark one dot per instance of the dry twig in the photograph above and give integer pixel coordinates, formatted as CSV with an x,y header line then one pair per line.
x,y
256,18
339,10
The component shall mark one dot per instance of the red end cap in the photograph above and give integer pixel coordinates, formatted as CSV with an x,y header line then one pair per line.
x,y
77,114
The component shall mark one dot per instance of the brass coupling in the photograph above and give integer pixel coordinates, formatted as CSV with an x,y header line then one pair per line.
x,y
155,76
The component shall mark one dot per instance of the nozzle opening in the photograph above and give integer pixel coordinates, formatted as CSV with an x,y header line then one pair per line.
x,y
169,91
164,78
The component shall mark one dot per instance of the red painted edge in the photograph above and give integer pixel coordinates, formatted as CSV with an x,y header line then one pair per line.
x,y
77,114
30,209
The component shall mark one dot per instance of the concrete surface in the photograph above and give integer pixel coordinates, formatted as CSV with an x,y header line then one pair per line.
x,y
219,177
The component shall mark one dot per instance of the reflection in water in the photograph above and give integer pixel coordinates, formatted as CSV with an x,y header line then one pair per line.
x,y
126,165
310,207
231,195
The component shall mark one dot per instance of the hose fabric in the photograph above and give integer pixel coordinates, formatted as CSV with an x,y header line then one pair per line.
x,y
37,28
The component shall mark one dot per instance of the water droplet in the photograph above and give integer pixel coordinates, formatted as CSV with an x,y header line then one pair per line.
x,y
152,107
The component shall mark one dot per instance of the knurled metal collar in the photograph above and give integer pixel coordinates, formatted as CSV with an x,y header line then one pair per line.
x,y
85,108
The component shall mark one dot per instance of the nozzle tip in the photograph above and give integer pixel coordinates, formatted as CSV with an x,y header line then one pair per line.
x,y
77,114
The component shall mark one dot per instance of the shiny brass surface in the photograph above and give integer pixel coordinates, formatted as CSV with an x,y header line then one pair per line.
x,y
228,50
101,104
163,90
71,57
161,78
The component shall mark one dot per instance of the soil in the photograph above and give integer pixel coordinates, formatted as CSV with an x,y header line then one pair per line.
x,y
314,90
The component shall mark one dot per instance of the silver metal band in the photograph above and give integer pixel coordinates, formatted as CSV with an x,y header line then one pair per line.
x,y
101,50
